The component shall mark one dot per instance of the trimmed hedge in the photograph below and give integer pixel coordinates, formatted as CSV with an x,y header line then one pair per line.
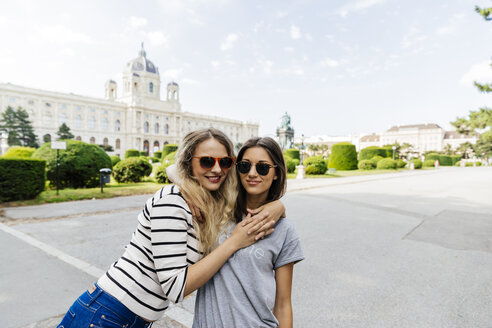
x,y
79,163
428,163
291,164
370,152
386,164
292,153
132,169
143,153
19,152
366,164
114,160
432,156
455,159
343,156
400,163
161,175
167,149
132,153
158,154
417,163
445,160
389,152
315,165
169,159
21,178
375,160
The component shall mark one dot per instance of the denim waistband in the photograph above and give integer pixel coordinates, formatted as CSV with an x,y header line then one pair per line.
x,y
100,295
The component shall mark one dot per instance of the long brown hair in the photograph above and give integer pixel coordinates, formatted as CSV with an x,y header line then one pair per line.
x,y
279,185
217,205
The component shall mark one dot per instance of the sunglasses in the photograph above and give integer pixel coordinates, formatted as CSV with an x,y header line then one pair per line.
x,y
207,162
262,168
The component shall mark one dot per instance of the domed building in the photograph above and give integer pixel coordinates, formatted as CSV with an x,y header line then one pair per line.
x,y
136,119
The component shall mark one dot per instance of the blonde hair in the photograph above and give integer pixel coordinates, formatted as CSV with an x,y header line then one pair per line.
x,y
218,206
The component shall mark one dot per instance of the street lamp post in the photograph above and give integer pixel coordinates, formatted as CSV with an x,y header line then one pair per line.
x,y
300,168
394,148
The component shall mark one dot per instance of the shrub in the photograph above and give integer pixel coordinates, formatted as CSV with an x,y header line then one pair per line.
x,y
19,152
79,163
370,152
291,164
343,156
169,148
158,154
114,160
366,164
132,153
386,164
292,153
432,156
132,169
455,159
142,153
315,165
478,163
375,160
169,159
21,178
445,160
400,163
160,174
417,163
428,163
156,159
388,150
469,164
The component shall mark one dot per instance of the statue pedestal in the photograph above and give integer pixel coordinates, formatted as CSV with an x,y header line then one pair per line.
x,y
301,174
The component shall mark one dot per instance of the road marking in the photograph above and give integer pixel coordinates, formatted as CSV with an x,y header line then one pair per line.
x,y
176,313
73,261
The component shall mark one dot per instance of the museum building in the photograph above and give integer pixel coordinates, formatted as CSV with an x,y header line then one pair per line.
x,y
138,119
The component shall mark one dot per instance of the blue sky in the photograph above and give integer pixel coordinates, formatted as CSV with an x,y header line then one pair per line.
x,y
337,67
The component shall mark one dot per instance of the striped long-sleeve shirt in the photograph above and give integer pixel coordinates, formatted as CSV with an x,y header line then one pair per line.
x,y
152,271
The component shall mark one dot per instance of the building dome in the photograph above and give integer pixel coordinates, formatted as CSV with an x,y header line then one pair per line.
x,y
141,64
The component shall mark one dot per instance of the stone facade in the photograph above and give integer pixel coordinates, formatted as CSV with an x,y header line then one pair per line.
x,y
138,119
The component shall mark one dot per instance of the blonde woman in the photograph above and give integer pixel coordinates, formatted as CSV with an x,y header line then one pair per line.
x,y
170,254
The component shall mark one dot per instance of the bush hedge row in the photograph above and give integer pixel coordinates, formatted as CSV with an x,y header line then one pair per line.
x,y
386,164
79,163
19,152
366,164
114,160
370,152
132,153
292,153
315,165
291,164
417,163
167,149
343,156
428,163
21,178
132,169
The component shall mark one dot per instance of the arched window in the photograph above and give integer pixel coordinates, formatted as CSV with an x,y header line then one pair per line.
x,y
151,87
166,129
117,146
156,146
146,127
92,122
117,126
156,128
105,124
146,147
78,121
79,138
105,142
62,118
93,140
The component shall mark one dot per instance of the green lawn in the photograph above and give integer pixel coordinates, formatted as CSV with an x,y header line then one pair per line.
x,y
112,189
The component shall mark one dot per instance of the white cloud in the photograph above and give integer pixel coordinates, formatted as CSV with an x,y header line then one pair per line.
x,y
137,22
295,32
294,71
309,37
157,38
60,34
480,72
173,74
230,62
281,14
412,38
328,62
229,42
359,5
444,30
189,81
215,63
257,26
289,49
266,66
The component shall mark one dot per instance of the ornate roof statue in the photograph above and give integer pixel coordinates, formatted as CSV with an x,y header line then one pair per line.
x,y
285,121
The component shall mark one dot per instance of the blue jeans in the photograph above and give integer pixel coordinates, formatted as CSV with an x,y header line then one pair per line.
x,y
99,309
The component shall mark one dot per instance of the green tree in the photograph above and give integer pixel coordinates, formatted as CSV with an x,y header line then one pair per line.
x,y
64,132
465,150
479,120
18,128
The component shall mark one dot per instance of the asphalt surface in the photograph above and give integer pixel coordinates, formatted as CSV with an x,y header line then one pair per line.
x,y
409,249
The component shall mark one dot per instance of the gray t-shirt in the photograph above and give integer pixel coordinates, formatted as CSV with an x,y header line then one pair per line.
x,y
242,292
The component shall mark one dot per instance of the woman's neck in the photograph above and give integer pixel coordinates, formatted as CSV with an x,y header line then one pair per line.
x,y
255,201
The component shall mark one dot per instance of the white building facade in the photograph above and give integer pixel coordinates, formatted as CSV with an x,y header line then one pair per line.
x,y
138,119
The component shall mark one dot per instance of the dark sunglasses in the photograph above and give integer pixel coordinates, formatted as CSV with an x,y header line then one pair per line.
x,y
262,168
207,162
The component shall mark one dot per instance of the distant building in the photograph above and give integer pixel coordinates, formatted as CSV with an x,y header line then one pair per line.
x,y
370,140
137,119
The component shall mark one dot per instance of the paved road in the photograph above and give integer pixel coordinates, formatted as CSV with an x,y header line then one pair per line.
x,y
401,250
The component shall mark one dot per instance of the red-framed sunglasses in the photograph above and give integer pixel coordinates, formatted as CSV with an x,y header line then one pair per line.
x,y
207,162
